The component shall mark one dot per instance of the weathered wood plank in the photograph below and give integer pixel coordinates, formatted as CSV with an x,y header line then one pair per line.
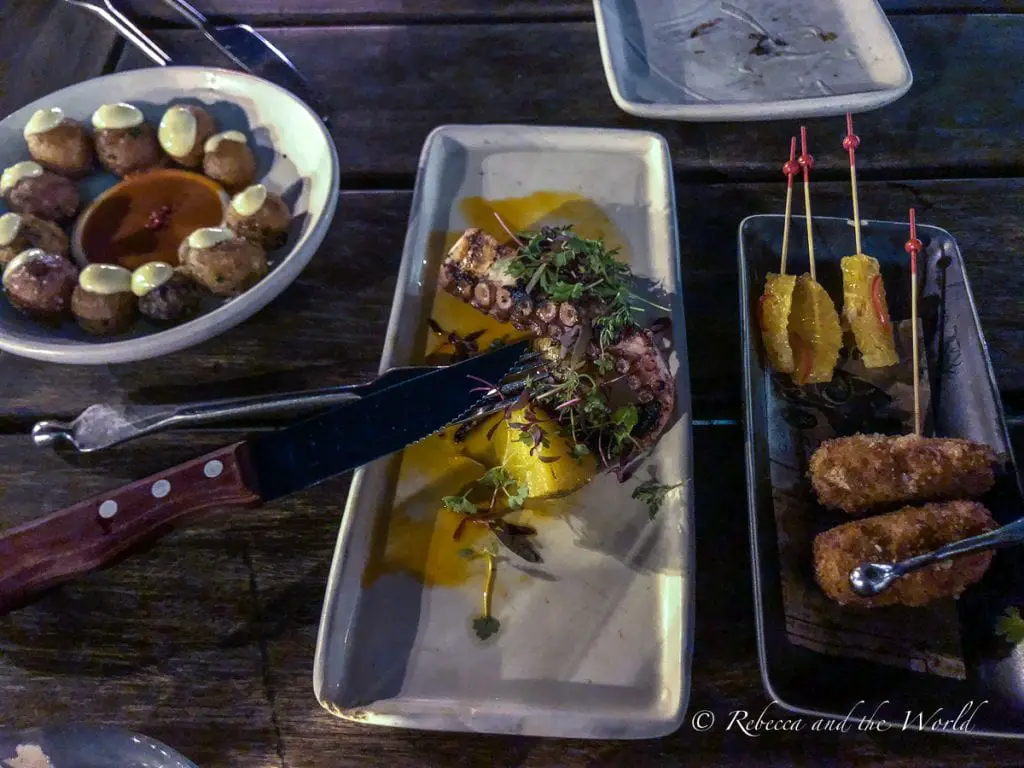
x,y
336,313
276,13
147,644
388,87
46,46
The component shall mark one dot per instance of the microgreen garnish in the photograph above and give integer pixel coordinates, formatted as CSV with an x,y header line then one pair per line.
x,y
486,627
459,504
652,493
557,265
498,480
1011,626
567,267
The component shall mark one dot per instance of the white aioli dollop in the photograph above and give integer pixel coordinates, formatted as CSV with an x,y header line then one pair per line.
x,y
27,169
249,200
177,131
214,141
44,120
207,237
106,279
10,226
150,276
117,116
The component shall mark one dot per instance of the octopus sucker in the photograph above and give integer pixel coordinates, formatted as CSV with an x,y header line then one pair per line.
x,y
568,314
541,285
483,295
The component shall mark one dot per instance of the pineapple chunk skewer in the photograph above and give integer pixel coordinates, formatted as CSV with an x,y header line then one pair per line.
x,y
866,311
864,302
814,323
777,300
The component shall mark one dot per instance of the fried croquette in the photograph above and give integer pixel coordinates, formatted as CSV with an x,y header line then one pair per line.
x,y
861,473
897,536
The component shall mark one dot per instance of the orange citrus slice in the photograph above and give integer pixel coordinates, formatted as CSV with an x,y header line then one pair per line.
x,y
866,311
814,333
776,305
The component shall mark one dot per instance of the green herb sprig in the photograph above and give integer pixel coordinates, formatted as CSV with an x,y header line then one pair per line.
x,y
652,494
499,480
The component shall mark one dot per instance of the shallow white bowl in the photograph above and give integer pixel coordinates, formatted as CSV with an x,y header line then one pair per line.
x,y
296,157
695,60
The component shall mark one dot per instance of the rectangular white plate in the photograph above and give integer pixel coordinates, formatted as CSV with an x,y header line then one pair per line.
x,y
705,60
597,643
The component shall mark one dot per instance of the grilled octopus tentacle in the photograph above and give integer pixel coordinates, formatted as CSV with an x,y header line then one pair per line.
x,y
475,270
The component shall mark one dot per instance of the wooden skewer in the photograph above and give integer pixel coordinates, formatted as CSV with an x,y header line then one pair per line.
x,y
850,143
913,247
791,168
807,162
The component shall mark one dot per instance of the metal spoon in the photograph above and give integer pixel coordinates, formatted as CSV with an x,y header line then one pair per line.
x,y
869,579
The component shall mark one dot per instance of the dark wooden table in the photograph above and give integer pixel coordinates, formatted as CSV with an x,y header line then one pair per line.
x,y
206,641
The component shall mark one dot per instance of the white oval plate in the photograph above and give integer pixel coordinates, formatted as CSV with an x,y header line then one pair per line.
x,y
295,155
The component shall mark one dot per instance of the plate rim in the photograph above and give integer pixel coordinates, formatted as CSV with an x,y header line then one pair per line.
x,y
754,111
229,314
649,727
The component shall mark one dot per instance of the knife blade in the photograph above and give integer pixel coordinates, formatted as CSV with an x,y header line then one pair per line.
x,y
249,50
101,530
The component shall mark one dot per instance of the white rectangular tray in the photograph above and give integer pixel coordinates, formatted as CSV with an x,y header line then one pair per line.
x,y
740,60
597,643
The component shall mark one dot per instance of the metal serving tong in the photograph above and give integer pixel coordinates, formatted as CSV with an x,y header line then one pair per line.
x,y
128,29
246,47
870,579
102,426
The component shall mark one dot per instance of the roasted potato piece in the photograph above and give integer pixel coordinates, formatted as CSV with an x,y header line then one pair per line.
x,y
125,142
548,471
21,231
59,143
225,264
166,295
103,302
260,217
29,188
40,284
183,132
228,160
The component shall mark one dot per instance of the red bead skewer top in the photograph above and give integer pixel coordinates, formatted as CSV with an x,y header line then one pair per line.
x,y
913,246
851,141
807,162
806,159
791,167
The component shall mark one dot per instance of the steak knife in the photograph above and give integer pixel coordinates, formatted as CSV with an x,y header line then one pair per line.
x,y
101,530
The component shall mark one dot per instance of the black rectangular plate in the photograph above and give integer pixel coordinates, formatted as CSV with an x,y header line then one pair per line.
x,y
965,403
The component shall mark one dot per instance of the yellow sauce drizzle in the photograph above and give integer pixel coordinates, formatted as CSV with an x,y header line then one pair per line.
x,y
417,538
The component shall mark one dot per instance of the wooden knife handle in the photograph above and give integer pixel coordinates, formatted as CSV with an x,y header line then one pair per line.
x,y
100,531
